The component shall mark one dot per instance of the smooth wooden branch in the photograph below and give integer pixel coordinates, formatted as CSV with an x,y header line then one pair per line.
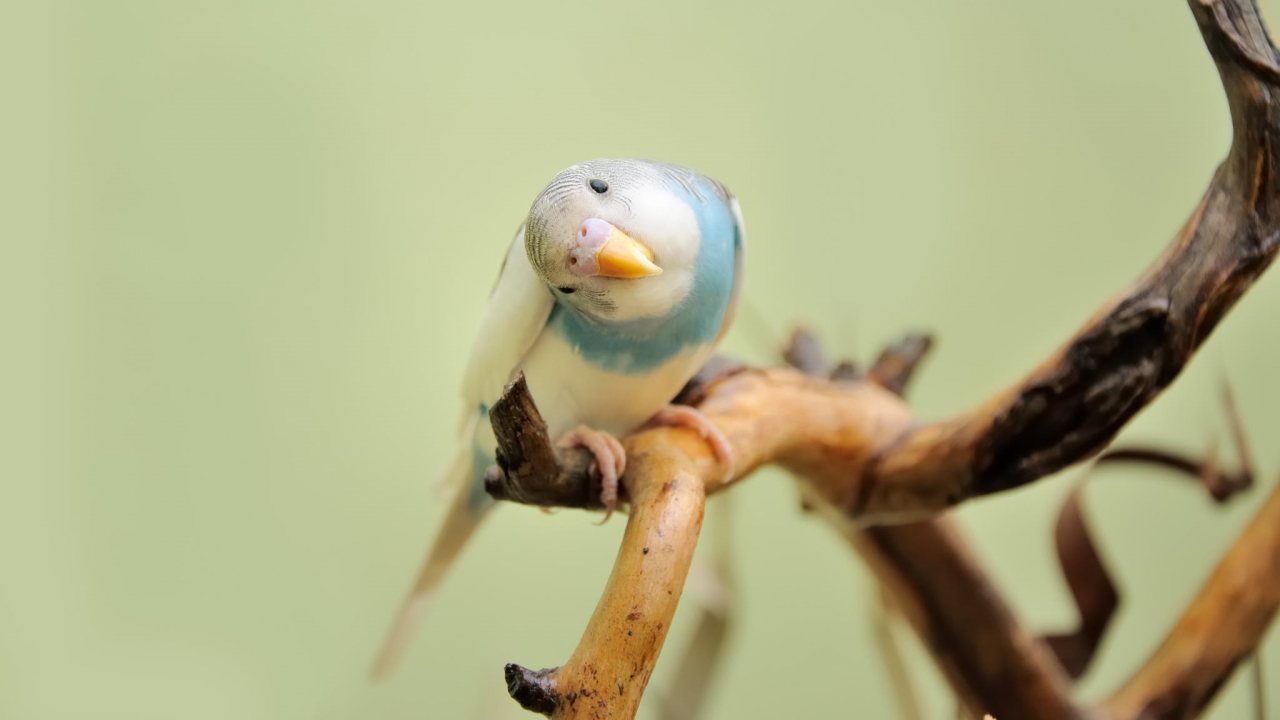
x,y
607,674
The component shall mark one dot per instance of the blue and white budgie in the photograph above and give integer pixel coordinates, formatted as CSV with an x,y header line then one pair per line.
x,y
613,294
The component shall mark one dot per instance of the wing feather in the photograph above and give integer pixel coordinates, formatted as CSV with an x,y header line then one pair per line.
x,y
514,318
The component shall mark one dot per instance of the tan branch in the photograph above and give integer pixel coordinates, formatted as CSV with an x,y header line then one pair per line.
x,y
1219,630
607,674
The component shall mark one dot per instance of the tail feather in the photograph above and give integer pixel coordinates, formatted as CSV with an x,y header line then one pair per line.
x,y
470,506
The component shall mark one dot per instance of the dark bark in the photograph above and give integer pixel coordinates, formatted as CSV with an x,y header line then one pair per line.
x,y
530,469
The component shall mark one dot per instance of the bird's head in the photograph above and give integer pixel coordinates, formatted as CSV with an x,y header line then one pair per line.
x,y
614,239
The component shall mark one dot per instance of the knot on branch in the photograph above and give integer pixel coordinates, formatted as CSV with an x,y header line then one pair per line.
x,y
532,689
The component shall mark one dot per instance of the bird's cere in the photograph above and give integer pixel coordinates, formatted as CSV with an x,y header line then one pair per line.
x,y
604,250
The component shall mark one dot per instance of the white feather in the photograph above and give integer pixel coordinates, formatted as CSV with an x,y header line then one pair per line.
x,y
572,391
514,318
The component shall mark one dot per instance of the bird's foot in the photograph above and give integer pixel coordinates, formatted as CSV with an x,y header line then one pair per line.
x,y
685,416
611,461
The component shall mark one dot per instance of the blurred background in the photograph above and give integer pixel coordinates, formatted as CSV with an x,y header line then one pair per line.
x,y
246,244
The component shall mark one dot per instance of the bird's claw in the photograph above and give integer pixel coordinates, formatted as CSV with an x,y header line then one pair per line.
x,y
610,462
689,417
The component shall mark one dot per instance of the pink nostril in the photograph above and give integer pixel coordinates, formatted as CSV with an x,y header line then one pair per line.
x,y
593,232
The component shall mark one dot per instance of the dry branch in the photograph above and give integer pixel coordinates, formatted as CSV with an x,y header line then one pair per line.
x,y
1220,629
991,661
867,461
607,674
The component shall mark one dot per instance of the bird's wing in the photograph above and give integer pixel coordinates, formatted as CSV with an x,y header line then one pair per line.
x,y
739,265
516,315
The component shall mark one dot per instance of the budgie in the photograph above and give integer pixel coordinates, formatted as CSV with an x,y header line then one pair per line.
x,y
614,292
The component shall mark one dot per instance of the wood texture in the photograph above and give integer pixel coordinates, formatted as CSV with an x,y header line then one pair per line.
x,y
607,674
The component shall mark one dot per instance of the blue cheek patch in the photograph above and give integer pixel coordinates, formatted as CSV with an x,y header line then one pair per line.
x,y
639,346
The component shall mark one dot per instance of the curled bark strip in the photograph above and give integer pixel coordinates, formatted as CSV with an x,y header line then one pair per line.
x,y
1220,483
1219,630
1091,586
1087,576
606,676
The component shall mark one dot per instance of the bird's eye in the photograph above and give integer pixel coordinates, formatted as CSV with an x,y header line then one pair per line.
x,y
566,290
599,186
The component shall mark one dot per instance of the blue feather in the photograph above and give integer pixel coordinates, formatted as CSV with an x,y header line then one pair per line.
x,y
639,346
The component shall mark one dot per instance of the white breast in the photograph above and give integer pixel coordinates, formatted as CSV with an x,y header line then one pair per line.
x,y
571,391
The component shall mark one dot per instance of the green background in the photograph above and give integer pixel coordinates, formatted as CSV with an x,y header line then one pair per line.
x,y
246,243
